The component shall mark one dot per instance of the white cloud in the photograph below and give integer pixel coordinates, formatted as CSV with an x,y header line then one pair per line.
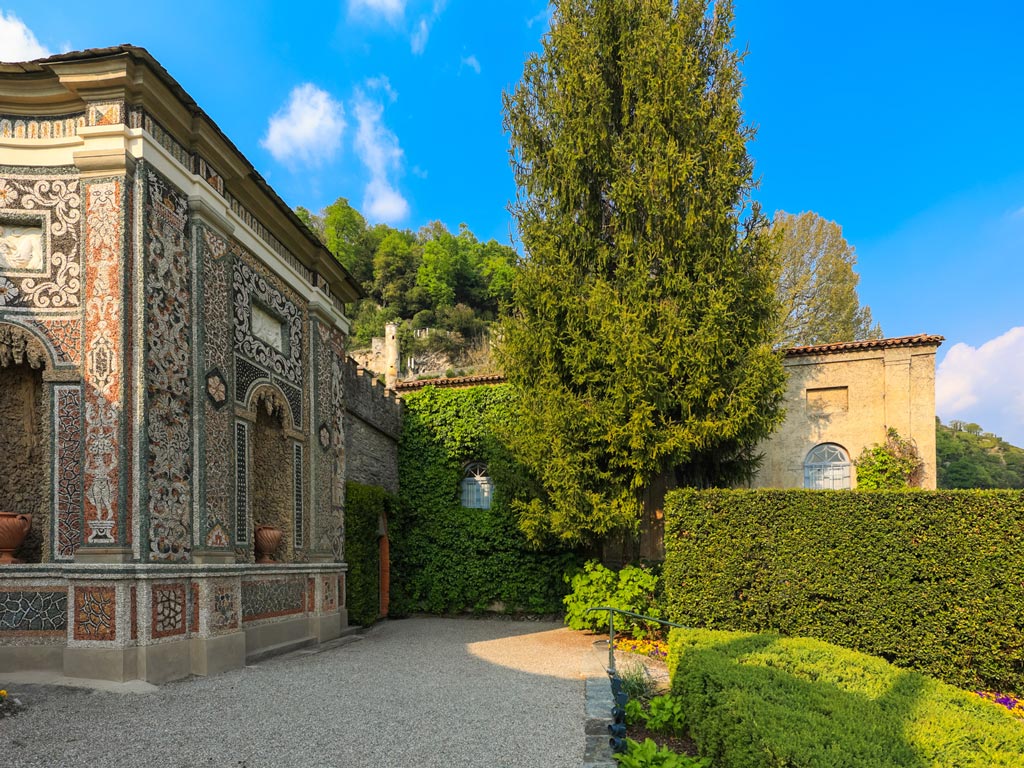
x,y
421,32
382,83
544,17
381,153
392,10
472,62
308,129
18,42
985,385
419,37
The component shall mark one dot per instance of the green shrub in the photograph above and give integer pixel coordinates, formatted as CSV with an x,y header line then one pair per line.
x,y
762,701
631,589
364,504
891,466
649,755
928,580
446,558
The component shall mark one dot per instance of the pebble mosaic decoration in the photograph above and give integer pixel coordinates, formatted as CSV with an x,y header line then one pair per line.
x,y
95,613
103,354
42,612
67,484
264,599
168,370
168,610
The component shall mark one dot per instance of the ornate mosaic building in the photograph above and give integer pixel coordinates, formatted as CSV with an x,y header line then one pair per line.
x,y
172,376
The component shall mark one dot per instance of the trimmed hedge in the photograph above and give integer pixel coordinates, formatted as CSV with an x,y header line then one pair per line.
x,y
446,558
363,507
761,701
933,581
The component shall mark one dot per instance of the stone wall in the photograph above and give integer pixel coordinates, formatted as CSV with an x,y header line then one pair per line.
x,y
373,425
271,471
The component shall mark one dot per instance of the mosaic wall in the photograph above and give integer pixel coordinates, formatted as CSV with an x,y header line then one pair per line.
x,y
40,263
168,610
168,369
283,360
241,482
38,611
223,608
103,355
217,331
266,599
56,127
324,456
67,478
95,613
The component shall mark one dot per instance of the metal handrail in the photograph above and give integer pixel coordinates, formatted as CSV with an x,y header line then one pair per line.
x,y
611,629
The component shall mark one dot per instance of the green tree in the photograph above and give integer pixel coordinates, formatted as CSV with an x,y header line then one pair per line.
x,y
817,285
345,235
641,341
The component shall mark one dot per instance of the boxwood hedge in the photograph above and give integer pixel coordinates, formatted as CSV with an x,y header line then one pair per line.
x,y
762,701
932,581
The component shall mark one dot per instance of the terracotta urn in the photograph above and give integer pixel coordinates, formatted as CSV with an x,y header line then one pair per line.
x,y
268,539
13,529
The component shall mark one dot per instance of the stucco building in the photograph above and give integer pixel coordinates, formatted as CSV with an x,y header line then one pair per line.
x,y
841,399
173,377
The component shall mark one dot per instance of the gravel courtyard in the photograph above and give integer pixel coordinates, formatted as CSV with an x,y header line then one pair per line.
x,y
418,692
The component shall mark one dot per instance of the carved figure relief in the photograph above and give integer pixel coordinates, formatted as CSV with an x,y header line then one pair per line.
x,y
21,248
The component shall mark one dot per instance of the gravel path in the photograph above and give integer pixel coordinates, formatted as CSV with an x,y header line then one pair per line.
x,y
419,692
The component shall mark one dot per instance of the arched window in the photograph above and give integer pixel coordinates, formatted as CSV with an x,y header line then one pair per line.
x,y
477,487
827,466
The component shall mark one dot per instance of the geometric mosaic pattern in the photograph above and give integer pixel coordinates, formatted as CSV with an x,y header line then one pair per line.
x,y
297,493
168,610
264,599
95,613
33,611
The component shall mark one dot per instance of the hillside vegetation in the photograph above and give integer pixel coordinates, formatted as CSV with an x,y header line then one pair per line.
x,y
967,457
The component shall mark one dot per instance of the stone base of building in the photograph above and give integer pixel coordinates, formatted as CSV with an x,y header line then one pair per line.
x,y
121,622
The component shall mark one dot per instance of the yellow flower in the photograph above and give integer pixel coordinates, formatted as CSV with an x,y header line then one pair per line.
x,y
3,694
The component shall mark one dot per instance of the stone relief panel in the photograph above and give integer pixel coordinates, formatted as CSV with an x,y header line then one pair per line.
x,y
168,288
103,354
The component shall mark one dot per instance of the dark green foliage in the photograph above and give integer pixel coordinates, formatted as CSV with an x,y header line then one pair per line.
x,y
929,580
631,589
761,701
641,340
458,282
446,558
967,457
364,505
889,467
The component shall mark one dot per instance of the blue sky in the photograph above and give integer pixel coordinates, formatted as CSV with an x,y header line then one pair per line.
x,y
901,121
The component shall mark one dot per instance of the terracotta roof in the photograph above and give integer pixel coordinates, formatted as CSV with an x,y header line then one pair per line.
x,y
921,340
453,382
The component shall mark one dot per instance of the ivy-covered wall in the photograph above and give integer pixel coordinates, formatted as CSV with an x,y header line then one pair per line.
x,y
364,506
445,558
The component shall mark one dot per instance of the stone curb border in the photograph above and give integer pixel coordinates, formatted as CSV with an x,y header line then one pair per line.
x,y
599,702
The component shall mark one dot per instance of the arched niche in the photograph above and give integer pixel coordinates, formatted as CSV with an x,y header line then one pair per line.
x,y
275,475
25,436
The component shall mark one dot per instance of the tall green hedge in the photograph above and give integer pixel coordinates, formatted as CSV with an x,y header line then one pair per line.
x,y
449,559
364,505
932,581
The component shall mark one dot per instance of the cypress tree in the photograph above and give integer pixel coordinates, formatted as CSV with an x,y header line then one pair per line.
x,y
641,340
